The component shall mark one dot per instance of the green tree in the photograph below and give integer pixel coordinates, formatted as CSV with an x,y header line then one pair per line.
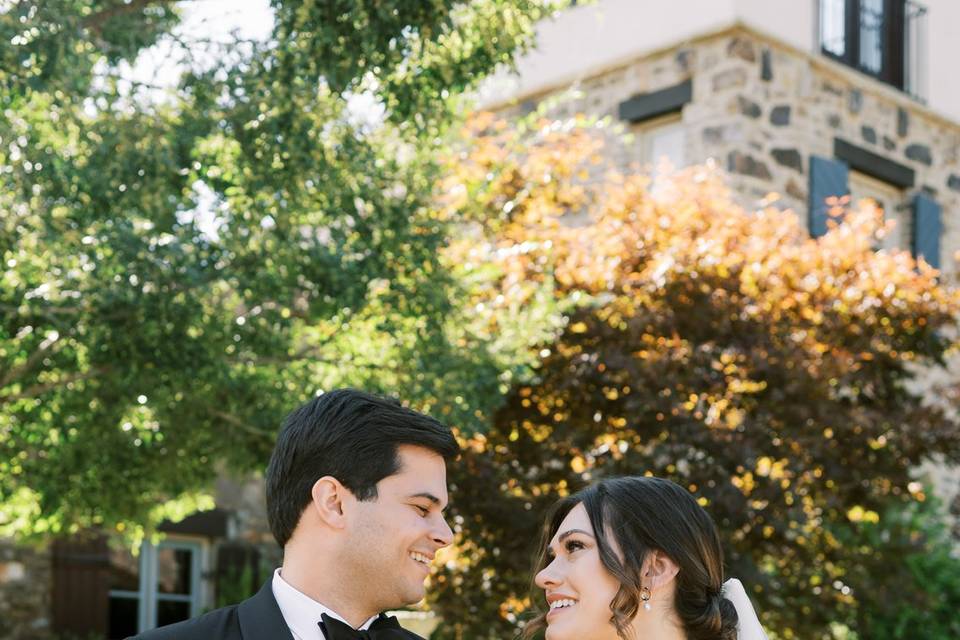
x,y
922,596
142,351
766,371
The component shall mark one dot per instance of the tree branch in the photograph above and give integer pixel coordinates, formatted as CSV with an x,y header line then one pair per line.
x,y
47,346
40,389
45,310
95,22
237,422
313,352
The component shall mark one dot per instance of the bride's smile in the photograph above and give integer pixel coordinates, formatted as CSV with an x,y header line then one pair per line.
x,y
633,558
577,587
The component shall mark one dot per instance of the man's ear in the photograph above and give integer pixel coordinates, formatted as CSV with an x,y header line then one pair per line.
x,y
659,570
328,501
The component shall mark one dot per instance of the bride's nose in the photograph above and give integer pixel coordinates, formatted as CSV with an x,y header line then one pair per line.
x,y
548,576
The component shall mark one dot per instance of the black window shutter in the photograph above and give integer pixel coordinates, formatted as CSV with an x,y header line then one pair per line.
x,y
828,178
927,228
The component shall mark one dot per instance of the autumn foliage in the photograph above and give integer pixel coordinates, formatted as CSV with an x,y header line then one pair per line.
x,y
776,376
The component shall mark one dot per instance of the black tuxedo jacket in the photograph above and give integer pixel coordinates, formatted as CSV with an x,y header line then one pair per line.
x,y
257,618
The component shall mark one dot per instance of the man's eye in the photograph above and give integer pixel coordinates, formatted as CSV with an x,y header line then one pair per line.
x,y
424,511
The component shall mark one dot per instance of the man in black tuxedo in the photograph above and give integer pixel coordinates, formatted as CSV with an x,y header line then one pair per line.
x,y
356,488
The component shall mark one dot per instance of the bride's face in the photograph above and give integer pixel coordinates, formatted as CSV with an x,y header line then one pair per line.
x,y
578,588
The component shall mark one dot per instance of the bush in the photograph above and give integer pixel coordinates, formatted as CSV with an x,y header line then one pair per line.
x,y
922,602
719,347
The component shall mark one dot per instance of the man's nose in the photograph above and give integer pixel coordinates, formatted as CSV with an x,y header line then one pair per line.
x,y
442,534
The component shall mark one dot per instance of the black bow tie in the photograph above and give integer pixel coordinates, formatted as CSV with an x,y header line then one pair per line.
x,y
383,628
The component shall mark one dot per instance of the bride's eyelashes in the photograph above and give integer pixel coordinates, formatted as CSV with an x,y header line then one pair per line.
x,y
569,547
572,546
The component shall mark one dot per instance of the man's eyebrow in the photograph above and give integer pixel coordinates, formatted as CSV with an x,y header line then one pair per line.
x,y
428,496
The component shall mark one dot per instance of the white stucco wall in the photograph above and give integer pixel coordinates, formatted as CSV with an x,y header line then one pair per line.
x,y
943,56
586,40
792,21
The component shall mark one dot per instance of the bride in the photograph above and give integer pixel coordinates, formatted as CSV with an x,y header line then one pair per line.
x,y
637,558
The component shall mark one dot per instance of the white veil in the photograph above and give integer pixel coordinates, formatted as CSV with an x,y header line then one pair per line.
x,y
748,628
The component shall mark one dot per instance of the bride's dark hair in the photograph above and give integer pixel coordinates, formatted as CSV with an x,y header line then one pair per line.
x,y
638,515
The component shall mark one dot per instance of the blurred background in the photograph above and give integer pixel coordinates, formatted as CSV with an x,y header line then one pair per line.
x,y
713,240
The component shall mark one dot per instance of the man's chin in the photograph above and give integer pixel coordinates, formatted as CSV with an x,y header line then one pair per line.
x,y
404,595
413,594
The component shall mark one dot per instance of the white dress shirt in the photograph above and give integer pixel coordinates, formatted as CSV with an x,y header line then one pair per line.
x,y
301,612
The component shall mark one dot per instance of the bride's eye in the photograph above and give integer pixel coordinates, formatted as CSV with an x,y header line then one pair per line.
x,y
574,545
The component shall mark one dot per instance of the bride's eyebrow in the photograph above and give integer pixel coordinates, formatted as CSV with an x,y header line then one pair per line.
x,y
569,532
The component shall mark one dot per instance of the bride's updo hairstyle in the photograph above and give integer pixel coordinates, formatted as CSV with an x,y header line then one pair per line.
x,y
632,516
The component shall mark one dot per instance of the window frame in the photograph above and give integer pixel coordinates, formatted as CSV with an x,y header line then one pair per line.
x,y
148,594
893,34
647,130
893,203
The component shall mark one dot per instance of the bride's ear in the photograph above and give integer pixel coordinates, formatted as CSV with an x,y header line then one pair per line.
x,y
659,570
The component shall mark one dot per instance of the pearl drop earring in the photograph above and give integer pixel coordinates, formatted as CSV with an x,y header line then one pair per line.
x,y
645,597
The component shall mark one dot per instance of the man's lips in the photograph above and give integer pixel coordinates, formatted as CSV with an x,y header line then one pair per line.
x,y
421,559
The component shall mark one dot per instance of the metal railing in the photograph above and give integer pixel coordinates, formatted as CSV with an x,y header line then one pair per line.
x,y
915,50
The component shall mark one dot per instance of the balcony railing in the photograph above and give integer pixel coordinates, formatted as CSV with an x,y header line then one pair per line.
x,y
885,39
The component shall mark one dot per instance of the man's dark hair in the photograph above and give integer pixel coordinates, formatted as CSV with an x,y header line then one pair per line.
x,y
349,435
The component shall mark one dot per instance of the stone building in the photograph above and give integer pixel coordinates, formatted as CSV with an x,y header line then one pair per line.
x,y
802,98
806,99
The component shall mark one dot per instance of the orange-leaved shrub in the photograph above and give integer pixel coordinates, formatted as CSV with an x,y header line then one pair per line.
x,y
774,375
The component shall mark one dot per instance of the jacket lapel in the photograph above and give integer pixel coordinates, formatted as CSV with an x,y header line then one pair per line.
x,y
260,617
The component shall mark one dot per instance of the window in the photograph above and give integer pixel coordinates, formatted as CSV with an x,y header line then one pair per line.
x,y
891,200
125,590
159,587
662,139
882,38
919,219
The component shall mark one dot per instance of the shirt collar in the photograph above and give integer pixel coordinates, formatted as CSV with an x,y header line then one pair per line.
x,y
301,612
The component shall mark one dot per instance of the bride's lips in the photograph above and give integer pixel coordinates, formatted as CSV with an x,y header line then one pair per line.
x,y
552,598
555,612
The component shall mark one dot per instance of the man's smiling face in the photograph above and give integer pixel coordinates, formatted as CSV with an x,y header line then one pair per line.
x,y
395,536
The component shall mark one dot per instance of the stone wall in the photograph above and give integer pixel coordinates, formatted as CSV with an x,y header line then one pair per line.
x,y
25,582
761,109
